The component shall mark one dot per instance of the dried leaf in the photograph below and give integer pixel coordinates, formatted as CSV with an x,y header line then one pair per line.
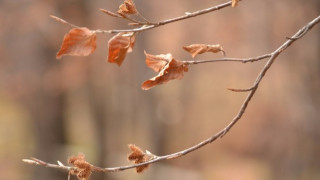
x,y
78,42
73,159
235,3
196,49
127,7
157,62
138,156
173,69
83,168
119,46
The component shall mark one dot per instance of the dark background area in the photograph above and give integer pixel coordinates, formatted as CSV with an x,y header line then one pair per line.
x,y
52,109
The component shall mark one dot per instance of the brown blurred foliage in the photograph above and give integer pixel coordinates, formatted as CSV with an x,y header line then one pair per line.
x,y
51,109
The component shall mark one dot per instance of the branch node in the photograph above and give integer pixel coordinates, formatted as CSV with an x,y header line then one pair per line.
x,y
225,131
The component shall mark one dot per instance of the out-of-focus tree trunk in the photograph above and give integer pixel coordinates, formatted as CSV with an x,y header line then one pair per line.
x,y
96,101
47,112
99,110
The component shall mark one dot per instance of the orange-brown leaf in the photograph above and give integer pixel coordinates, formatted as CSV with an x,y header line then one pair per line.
x,y
138,156
172,70
157,62
119,46
127,7
83,169
78,42
196,49
234,3
73,159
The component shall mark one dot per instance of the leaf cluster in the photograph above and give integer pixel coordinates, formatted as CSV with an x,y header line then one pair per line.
x,y
81,41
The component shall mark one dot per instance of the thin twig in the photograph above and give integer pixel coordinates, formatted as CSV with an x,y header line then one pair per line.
x,y
112,14
62,21
132,20
272,56
148,25
164,22
145,19
35,161
244,60
241,90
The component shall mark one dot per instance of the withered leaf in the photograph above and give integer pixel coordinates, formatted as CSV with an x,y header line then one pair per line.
x,y
119,46
127,7
78,42
138,156
235,3
173,69
157,62
196,49
82,169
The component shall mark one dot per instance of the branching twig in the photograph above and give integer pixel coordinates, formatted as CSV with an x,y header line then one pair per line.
x,y
272,56
164,22
148,25
35,161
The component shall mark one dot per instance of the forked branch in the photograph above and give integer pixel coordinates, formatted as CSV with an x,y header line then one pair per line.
x,y
81,41
153,158
168,21
148,25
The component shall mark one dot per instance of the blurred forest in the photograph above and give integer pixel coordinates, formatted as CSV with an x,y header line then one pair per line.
x,y
51,109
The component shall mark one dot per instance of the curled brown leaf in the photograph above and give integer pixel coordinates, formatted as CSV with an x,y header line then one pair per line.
x,y
157,62
119,46
195,49
173,69
127,7
78,42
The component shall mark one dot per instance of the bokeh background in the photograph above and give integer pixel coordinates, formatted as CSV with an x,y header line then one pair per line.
x,y
51,109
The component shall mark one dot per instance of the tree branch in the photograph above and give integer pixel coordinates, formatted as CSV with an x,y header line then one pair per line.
x,y
272,56
149,25
245,60
168,21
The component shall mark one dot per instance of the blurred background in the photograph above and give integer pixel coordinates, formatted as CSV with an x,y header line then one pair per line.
x,y
52,109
